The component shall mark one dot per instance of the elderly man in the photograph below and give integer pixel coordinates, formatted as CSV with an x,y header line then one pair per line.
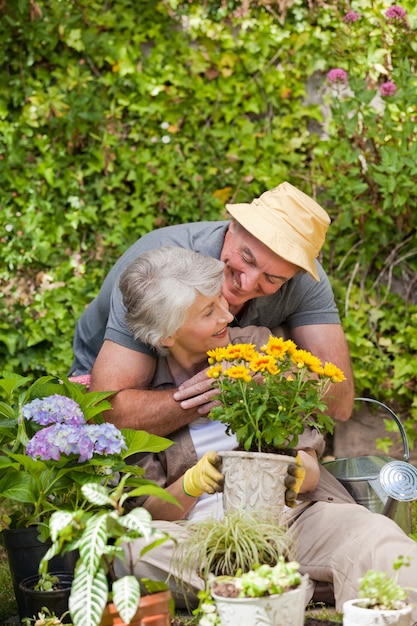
x,y
272,277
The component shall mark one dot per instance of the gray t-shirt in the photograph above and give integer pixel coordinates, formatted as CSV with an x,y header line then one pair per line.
x,y
300,301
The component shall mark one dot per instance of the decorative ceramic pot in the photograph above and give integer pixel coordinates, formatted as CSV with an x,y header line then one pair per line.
x,y
154,610
286,609
56,600
355,615
254,481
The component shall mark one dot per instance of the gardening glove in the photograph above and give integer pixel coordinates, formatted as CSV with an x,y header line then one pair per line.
x,y
293,481
204,476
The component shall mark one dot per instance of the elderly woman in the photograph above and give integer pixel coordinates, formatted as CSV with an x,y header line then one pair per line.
x,y
174,303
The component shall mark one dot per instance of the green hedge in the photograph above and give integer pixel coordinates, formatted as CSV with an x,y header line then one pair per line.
x,y
117,117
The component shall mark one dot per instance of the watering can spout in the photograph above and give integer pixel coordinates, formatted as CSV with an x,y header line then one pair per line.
x,y
390,508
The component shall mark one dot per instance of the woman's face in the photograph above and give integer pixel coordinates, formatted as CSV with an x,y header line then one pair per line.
x,y
205,327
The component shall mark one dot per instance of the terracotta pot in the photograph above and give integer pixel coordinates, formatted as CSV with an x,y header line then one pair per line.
x,y
356,615
286,609
254,481
154,610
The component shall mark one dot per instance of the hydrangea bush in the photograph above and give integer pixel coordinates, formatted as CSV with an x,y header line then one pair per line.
x,y
53,439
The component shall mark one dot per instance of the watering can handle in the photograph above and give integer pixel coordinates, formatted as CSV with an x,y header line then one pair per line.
x,y
397,421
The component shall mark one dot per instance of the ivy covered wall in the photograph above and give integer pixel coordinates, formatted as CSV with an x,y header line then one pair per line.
x,y
121,116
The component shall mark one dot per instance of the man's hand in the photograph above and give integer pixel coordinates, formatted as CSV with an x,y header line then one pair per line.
x,y
197,392
293,481
204,476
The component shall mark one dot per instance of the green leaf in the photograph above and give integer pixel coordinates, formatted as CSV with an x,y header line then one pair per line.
x,y
89,595
126,596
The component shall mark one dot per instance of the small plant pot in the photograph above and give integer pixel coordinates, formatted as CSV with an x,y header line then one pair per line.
x,y
154,610
354,614
286,609
55,601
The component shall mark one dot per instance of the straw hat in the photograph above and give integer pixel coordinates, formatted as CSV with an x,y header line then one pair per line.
x,y
288,221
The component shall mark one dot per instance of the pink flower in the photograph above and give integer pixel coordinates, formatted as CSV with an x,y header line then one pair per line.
x,y
351,16
396,13
337,75
388,88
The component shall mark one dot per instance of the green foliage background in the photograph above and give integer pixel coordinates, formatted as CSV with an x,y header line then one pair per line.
x,y
121,116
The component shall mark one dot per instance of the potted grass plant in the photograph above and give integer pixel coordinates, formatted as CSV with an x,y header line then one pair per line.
x,y
232,543
267,398
381,600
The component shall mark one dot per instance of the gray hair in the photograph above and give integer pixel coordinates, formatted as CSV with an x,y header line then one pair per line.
x,y
160,286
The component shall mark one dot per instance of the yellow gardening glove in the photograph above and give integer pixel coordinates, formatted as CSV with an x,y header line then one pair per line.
x,y
293,481
204,476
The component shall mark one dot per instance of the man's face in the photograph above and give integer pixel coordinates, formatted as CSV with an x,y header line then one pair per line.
x,y
251,268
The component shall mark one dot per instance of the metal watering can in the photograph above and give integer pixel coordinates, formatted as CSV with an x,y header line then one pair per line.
x,y
380,483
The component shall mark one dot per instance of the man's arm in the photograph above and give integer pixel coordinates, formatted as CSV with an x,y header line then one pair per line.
x,y
130,373
328,342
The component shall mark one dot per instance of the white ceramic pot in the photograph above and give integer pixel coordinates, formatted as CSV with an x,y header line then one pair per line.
x,y
254,481
278,610
356,615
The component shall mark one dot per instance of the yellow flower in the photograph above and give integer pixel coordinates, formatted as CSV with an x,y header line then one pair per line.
x,y
216,355
239,372
240,352
258,389
332,371
262,363
278,347
215,371
303,358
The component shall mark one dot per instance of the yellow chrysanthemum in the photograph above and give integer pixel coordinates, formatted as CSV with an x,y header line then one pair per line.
x,y
240,352
303,358
215,371
276,347
216,355
262,363
335,373
239,372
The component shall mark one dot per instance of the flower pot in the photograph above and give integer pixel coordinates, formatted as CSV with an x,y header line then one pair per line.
x,y
154,610
24,553
286,609
55,601
254,481
355,615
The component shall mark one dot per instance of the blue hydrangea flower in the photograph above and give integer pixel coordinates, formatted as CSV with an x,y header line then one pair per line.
x,y
107,438
49,443
54,409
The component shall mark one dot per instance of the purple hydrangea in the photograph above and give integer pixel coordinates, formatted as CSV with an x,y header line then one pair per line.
x,y
396,13
49,443
388,88
107,439
54,409
337,75
84,441
351,16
